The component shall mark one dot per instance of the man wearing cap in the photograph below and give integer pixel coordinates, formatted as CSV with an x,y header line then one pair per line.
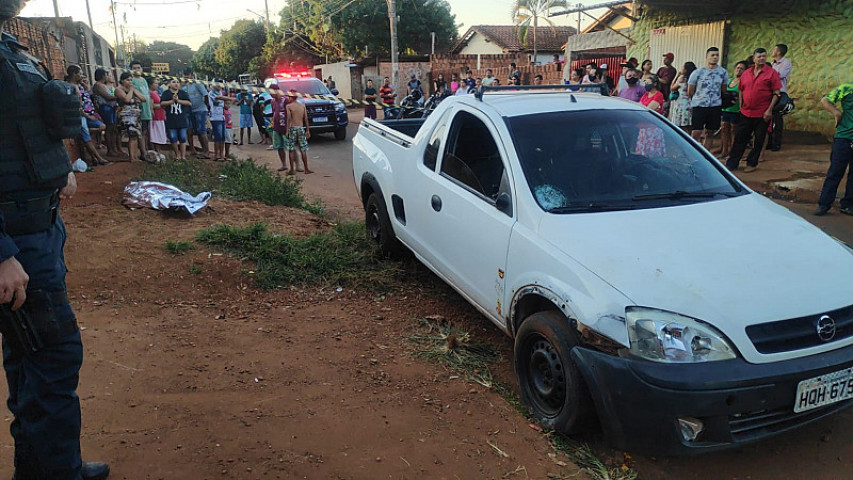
x,y
605,77
666,73
622,84
416,91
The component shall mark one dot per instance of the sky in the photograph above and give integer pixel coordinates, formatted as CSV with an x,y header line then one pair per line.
x,y
192,22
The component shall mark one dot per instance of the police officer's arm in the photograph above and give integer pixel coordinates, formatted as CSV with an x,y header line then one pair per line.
x,y
13,278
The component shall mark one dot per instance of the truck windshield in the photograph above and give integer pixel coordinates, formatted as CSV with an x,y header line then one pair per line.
x,y
308,86
604,160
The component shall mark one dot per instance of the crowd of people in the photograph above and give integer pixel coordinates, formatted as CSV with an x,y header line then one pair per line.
x,y
140,118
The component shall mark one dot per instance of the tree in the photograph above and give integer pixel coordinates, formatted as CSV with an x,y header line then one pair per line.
x,y
177,55
238,45
204,61
525,12
361,26
281,52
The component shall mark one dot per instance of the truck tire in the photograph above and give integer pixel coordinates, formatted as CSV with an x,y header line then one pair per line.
x,y
550,383
379,228
341,133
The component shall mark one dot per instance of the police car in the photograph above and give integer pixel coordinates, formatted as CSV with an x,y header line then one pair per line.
x,y
326,113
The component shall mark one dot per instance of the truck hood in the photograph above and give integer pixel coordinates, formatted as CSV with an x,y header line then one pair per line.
x,y
731,263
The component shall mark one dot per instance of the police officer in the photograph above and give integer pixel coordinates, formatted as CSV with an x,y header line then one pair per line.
x,y
42,351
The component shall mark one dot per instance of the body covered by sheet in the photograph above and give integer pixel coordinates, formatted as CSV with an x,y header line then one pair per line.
x,y
160,196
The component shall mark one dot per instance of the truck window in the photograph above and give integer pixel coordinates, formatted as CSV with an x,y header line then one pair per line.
x,y
471,157
433,147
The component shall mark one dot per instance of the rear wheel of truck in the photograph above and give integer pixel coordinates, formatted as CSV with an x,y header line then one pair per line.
x,y
550,382
379,228
341,133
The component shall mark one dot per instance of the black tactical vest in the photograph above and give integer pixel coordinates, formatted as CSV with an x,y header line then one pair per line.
x,y
31,162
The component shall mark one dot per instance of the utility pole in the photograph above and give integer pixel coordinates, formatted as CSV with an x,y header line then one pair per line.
x,y
89,11
580,5
267,7
115,25
56,8
432,51
395,54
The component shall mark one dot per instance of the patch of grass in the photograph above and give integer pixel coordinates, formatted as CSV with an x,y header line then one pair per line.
x,y
342,256
453,347
195,269
241,180
244,180
192,176
179,248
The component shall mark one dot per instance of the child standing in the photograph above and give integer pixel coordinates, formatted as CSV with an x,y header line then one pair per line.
x,y
229,129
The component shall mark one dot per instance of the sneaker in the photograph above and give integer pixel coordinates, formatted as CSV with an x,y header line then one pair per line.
x,y
846,210
749,169
821,210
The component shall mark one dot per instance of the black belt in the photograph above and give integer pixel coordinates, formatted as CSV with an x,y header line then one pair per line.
x,y
25,217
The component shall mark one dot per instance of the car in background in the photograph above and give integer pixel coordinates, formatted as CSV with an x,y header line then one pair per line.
x,y
326,113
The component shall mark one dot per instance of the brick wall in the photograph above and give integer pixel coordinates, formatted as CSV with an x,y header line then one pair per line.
x,y
42,44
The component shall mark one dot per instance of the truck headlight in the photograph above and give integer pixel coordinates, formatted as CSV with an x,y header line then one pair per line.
x,y
340,107
668,337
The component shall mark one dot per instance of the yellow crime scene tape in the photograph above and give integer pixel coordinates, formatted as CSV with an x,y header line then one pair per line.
x,y
258,90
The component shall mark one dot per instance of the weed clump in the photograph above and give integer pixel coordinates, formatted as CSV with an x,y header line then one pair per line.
x,y
178,248
341,256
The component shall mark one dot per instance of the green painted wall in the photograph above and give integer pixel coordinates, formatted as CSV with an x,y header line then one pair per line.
x,y
819,35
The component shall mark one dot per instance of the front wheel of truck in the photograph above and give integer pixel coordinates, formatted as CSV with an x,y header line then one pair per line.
x,y
341,133
550,382
379,228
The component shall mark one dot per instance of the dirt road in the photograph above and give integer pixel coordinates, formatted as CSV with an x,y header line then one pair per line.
x,y
192,373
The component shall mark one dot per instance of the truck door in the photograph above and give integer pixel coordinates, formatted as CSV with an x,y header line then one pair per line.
x,y
471,202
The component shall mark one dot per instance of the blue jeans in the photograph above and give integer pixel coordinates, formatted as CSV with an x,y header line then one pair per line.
x,y
177,135
218,128
840,158
43,386
200,122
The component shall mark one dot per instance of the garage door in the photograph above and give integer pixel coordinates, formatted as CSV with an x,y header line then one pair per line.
x,y
688,43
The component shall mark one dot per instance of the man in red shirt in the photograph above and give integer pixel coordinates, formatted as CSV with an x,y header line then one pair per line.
x,y
760,88
387,93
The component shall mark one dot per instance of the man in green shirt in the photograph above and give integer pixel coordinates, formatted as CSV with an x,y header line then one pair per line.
x,y
145,118
842,150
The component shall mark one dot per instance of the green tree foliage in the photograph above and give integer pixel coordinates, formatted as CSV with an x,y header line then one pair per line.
x,y
177,55
528,13
282,51
238,45
204,61
340,29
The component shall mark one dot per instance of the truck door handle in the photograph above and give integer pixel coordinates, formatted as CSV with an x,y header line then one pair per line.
x,y
436,203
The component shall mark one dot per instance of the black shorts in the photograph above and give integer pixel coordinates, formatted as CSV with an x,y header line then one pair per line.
x,y
707,118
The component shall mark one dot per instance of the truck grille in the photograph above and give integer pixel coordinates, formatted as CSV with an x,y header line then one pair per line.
x,y
747,426
322,109
799,333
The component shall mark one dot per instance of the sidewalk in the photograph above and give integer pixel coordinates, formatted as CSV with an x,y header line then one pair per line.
x,y
794,173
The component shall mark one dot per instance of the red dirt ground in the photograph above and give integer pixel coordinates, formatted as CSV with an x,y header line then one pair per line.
x,y
197,376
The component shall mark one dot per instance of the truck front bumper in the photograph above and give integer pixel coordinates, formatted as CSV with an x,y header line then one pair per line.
x,y
640,402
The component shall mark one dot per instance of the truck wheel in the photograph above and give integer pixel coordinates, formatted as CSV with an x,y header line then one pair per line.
x,y
549,380
341,133
379,227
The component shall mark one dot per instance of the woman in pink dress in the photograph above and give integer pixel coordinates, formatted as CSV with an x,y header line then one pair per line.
x,y
158,116
650,140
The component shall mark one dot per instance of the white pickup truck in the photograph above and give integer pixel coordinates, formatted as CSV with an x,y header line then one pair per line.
x,y
640,279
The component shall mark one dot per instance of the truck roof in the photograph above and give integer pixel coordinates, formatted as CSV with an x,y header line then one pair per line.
x,y
513,104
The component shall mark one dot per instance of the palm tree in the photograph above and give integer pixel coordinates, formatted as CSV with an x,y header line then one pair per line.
x,y
525,12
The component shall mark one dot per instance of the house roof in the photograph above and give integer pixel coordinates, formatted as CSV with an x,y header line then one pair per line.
x,y
611,14
548,39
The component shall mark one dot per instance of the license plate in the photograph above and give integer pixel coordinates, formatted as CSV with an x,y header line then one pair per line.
x,y
824,390
321,119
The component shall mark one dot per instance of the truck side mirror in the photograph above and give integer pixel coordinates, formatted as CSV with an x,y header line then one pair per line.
x,y
504,203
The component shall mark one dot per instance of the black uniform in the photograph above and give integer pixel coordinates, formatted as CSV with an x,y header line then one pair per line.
x,y
42,351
